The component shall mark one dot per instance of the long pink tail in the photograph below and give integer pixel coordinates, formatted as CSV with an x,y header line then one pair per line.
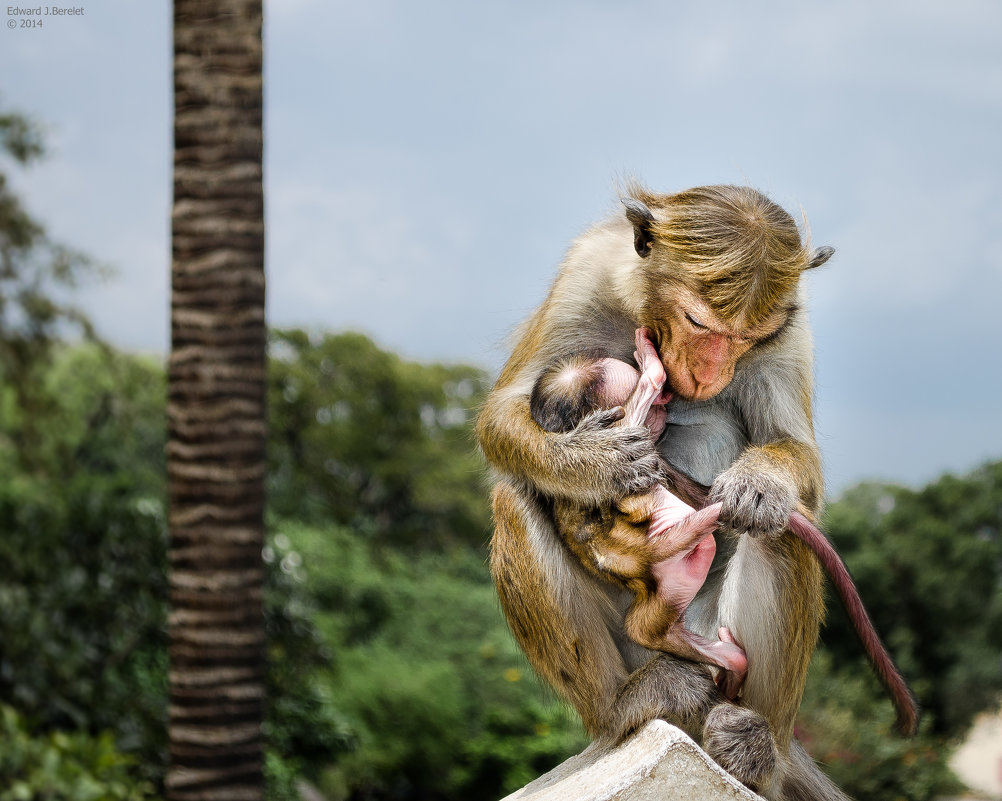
x,y
904,702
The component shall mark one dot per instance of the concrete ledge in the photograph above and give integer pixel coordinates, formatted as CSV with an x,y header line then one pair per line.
x,y
659,762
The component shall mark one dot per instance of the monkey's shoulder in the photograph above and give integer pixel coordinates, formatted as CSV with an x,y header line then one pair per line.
x,y
594,301
601,263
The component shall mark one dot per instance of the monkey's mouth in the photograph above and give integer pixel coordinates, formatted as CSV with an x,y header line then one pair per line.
x,y
665,396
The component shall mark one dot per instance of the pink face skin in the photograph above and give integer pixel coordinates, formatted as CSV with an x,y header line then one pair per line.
x,y
704,349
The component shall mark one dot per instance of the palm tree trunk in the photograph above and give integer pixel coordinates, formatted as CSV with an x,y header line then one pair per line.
x,y
216,404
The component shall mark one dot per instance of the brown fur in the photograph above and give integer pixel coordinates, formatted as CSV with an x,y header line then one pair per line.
x,y
754,442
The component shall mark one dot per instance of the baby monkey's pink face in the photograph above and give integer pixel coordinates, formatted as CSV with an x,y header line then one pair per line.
x,y
619,382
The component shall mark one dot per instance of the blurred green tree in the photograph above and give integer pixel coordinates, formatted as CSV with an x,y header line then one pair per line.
x,y
847,723
82,544
433,697
928,564
61,765
35,274
364,438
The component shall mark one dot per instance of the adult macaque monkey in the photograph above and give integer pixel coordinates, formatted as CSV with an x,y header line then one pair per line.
x,y
714,274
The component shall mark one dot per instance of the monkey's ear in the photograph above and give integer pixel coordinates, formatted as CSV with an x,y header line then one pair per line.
x,y
820,256
641,217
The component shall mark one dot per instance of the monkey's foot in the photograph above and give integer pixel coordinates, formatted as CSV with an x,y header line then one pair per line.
x,y
733,663
675,690
669,511
740,742
644,406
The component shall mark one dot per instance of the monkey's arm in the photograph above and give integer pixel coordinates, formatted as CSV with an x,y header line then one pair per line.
x,y
593,462
782,464
609,454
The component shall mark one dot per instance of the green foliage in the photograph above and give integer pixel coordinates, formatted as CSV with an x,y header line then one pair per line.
x,y
20,138
302,727
361,437
929,568
61,766
82,644
391,671
848,727
435,698
82,604
82,640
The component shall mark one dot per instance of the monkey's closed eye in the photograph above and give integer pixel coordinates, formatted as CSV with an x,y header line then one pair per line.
x,y
694,322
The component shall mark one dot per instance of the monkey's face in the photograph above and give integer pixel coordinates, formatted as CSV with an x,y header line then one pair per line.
x,y
698,349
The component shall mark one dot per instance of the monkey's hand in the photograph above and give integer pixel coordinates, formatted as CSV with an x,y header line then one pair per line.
x,y
756,497
604,460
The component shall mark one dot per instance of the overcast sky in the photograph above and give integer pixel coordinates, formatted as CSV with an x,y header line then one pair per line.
x,y
428,163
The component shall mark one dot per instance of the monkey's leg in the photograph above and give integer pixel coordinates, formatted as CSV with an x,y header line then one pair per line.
x,y
559,615
738,739
672,524
683,693
656,621
659,627
564,619
772,601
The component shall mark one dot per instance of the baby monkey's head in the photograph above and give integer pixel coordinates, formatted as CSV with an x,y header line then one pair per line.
x,y
576,386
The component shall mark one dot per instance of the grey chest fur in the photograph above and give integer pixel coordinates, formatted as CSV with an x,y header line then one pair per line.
x,y
702,438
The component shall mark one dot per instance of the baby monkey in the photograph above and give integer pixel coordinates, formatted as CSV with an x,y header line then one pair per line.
x,y
654,544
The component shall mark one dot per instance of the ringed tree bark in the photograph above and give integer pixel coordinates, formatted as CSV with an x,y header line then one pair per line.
x,y
216,405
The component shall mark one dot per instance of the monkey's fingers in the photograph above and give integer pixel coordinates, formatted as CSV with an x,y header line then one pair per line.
x,y
602,418
642,339
647,393
598,460
755,499
646,354
648,359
